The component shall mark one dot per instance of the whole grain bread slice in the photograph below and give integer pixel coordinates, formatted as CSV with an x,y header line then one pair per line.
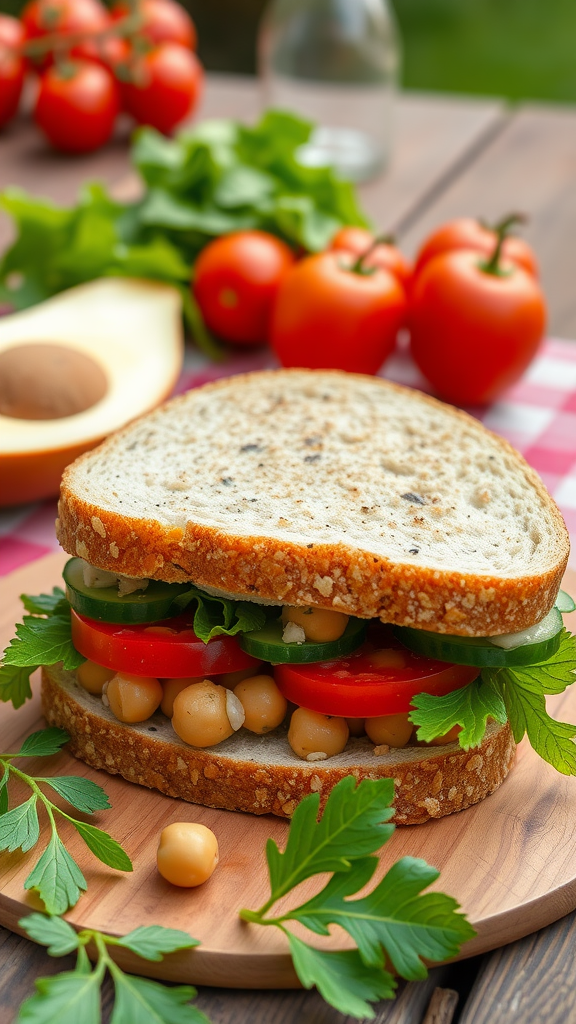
x,y
261,774
319,487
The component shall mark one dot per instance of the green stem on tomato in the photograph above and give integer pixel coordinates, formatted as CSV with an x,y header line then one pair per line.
x,y
359,266
501,230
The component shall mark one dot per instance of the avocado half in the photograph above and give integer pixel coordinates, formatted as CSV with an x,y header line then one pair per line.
x,y
75,368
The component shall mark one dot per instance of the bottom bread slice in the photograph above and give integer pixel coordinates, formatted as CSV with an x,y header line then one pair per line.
x,y
261,774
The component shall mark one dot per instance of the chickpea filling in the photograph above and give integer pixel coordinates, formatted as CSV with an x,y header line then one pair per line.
x,y
206,710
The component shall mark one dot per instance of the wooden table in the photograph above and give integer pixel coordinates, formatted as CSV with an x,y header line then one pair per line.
x,y
453,156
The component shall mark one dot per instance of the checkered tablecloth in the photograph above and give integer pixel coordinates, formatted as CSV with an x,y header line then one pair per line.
x,y
537,415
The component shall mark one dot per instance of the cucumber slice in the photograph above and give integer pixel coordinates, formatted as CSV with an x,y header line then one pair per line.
x,y
105,605
564,603
527,647
267,644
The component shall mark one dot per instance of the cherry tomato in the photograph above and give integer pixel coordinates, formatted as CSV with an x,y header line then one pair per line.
x,y
163,21
474,333
165,86
360,686
65,17
327,316
236,279
77,106
12,67
467,233
358,241
169,649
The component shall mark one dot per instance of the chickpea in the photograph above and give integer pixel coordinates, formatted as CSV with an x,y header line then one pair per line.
x,y
187,853
231,679
395,730
311,733
171,688
319,624
356,726
448,737
200,715
92,676
388,658
264,705
132,698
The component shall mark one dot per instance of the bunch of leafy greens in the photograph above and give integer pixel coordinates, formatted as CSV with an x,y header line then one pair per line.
x,y
517,695
56,877
75,995
220,177
394,922
44,637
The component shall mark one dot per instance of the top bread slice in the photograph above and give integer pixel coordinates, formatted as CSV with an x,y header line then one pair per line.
x,y
323,488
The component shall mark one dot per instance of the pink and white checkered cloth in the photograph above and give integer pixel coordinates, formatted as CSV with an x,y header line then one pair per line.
x,y
537,415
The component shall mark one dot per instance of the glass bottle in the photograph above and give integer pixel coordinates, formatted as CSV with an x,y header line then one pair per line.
x,y
335,62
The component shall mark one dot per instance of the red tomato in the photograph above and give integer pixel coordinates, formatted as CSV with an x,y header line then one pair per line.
x,y
474,333
358,241
165,86
356,687
12,67
467,233
169,649
163,21
12,32
326,316
109,51
236,279
76,112
65,17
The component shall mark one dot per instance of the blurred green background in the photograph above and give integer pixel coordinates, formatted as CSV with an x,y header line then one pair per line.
x,y
513,48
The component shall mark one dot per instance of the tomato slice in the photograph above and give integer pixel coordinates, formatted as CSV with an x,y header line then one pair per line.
x,y
169,650
356,686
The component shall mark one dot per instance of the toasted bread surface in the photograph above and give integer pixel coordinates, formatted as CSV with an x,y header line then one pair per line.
x,y
261,774
324,488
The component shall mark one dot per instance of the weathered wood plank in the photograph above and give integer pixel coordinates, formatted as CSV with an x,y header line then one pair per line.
x,y
532,981
529,166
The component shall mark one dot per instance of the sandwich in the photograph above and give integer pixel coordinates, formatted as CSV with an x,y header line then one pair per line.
x,y
286,577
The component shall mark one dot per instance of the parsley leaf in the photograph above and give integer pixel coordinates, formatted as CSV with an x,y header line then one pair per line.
x,y
56,877
524,696
83,794
41,641
53,932
46,604
152,942
215,616
394,919
351,826
471,707
19,828
140,1001
67,998
15,684
103,846
342,978
75,995
43,743
554,675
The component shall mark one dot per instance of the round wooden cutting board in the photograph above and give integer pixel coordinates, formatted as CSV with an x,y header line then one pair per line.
x,y
510,861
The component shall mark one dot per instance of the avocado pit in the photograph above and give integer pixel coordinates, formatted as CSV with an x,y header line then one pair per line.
x,y
48,381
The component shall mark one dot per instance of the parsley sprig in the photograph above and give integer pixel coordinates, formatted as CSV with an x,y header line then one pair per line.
x,y
395,922
514,694
44,637
73,996
56,876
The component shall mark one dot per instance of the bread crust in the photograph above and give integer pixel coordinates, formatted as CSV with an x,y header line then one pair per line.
x,y
336,576
266,777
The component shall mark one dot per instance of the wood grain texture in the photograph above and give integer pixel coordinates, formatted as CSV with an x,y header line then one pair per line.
x,y
529,166
510,861
528,982
442,1006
